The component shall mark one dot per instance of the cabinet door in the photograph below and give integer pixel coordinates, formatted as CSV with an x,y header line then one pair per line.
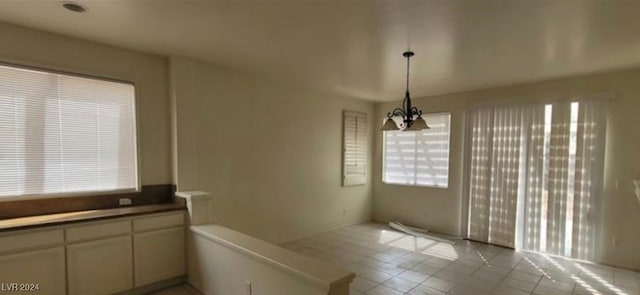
x,y
100,267
159,255
44,269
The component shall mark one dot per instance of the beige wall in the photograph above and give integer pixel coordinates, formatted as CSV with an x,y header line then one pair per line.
x,y
269,153
148,72
441,209
276,174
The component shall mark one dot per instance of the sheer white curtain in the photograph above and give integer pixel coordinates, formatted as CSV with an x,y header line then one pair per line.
x,y
538,164
479,180
564,181
558,183
536,170
497,149
588,176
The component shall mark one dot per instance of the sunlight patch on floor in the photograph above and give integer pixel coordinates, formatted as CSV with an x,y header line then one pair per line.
x,y
418,244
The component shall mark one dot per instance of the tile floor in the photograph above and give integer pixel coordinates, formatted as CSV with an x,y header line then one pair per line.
x,y
387,262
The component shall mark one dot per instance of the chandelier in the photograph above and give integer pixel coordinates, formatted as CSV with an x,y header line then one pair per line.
x,y
410,115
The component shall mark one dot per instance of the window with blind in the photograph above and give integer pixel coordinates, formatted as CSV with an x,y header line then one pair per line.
x,y
64,134
354,156
418,158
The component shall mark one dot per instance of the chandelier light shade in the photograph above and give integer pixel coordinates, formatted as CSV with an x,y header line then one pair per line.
x,y
417,125
411,116
390,125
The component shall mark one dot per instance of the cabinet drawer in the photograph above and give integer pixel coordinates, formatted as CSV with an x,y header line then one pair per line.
x,y
158,221
96,231
21,241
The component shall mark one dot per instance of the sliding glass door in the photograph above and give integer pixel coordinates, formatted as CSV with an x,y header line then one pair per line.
x,y
535,176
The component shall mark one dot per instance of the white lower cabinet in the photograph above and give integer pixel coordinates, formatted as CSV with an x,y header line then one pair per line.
x,y
41,272
93,258
100,267
159,255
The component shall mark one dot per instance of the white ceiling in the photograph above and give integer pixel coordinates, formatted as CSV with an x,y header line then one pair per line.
x,y
354,47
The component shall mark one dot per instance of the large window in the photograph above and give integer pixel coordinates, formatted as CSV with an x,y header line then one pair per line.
x,y
419,158
64,134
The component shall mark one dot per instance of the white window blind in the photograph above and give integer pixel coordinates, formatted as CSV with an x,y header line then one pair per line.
x,y
535,176
565,179
418,158
354,157
495,164
65,134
